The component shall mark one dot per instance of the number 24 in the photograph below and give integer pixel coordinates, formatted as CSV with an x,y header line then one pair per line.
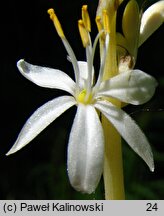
x,y
151,207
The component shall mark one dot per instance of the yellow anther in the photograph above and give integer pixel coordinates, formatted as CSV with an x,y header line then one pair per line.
x,y
106,21
98,23
86,18
81,98
83,33
56,23
100,26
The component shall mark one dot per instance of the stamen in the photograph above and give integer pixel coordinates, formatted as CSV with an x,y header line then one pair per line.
x,y
98,23
70,52
56,22
83,33
100,27
99,35
90,57
102,65
73,60
86,18
106,21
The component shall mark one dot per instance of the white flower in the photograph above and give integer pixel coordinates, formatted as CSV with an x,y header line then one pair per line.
x,y
86,141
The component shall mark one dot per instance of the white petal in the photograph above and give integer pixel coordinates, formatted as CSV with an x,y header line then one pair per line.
x,y
151,20
129,130
83,68
85,150
134,87
46,77
40,119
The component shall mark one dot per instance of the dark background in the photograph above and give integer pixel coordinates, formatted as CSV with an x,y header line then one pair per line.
x,y
38,171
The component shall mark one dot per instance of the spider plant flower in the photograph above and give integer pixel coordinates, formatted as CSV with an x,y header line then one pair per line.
x,y
86,142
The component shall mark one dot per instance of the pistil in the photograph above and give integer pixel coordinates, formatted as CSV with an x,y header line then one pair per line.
x,y
81,98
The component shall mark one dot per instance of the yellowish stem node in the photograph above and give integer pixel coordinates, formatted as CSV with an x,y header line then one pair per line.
x,y
83,33
86,18
56,23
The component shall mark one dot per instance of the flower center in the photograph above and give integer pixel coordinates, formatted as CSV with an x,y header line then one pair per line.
x,y
84,98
